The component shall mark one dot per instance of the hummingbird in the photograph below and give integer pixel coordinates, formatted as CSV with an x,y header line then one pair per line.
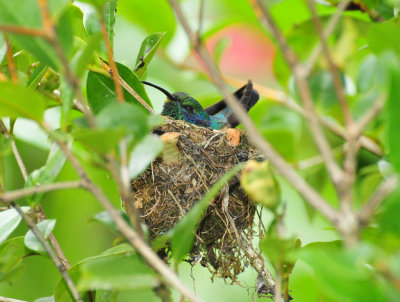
x,y
181,106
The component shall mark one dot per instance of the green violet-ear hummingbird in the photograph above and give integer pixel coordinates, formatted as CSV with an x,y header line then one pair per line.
x,y
181,106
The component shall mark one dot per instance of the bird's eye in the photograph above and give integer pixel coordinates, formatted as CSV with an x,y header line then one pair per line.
x,y
189,108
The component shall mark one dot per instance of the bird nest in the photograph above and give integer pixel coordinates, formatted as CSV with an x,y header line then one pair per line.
x,y
194,159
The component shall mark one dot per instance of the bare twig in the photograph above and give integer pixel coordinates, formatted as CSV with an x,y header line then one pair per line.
x,y
384,190
11,63
128,88
330,27
254,136
114,70
61,268
15,151
305,95
131,235
370,115
13,195
12,29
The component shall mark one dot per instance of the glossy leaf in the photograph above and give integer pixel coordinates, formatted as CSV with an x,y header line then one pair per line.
x,y
100,89
143,154
117,272
92,21
105,218
184,231
130,117
9,220
147,51
94,138
12,253
19,101
45,227
343,274
26,13
46,174
155,16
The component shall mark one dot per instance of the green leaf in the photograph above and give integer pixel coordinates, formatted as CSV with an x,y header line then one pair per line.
x,y
64,29
147,51
85,56
94,138
20,101
92,21
9,220
26,13
393,111
279,251
120,272
383,37
343,275
45,299
101,92
105,218
61,293
143,154
184,231
45,227
130,117
46,174
12,253
155,16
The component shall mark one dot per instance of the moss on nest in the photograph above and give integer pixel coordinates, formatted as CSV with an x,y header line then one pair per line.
x,y
194,159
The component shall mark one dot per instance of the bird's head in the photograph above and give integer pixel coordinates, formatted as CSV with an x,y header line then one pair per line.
x,y
181,106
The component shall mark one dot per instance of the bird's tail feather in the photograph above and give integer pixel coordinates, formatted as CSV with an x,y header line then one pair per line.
x,y
247,96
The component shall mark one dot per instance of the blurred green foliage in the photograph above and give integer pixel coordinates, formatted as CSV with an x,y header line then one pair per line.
x,y
149,44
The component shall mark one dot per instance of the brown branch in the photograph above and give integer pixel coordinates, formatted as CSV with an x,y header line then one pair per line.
x,y
12,29
329,28
114,70
127,88
384,190
14,149
13,195
11,63
131,235
305,95
373,111
67,278
254,136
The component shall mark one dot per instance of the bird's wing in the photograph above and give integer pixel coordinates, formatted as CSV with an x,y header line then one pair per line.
x,y
247,96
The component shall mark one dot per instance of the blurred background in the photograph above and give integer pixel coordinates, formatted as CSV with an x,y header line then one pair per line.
x,y
243,51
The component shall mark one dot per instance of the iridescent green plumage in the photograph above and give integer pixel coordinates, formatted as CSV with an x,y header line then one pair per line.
x,y
181,106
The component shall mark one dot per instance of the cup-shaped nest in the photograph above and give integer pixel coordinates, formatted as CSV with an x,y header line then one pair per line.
x,y
194,158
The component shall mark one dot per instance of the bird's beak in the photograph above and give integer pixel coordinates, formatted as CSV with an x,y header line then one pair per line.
x,y
167,100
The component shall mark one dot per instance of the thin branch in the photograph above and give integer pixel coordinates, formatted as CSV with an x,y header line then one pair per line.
x,y
114,70
345,189
13,195
131,235
14,149
332,66
384,190
305,95
127,88
330,27
254,136
373,111
12,29
52,37
67,278
11,63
